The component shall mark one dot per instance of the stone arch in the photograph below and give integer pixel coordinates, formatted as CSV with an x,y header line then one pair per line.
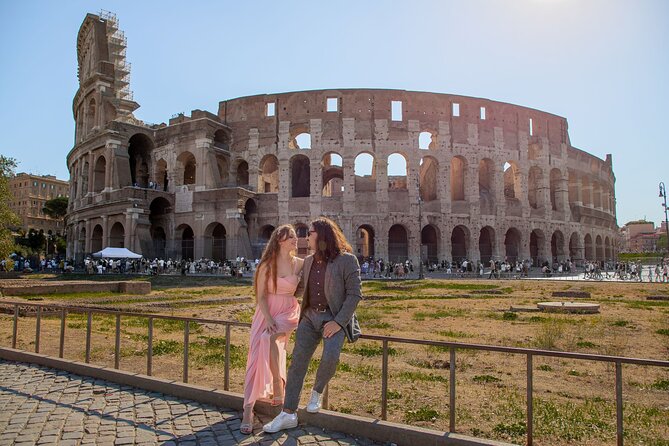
x,y
96,239
332,171
557,246
608,251
188,167
575,248
158,241
487,186
458,177
429,237
398,243
512,243
215,246
364,241
534,186
486,244
556,180
459,243
117,235
301,140
140,147
537,246
365,172
242,173
100,174
589,248
185,242
222,140
300,176
399,180
511,180
427,178
223,170
427,140
161,174
599,248
268,174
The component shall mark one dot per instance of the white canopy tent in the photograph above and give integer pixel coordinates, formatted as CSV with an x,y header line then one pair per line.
x,y
117,253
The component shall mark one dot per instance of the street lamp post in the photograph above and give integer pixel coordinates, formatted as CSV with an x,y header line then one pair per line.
x,y
663,194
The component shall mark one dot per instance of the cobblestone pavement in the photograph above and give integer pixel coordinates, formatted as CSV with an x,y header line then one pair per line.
x,y
39,405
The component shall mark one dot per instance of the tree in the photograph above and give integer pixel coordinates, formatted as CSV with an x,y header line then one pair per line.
x,y
8,218
662,242
56,207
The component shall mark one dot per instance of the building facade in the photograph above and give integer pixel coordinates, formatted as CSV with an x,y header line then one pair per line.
x,y
477,179
30,193
641,236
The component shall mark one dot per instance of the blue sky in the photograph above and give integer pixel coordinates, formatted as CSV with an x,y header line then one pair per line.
x,y
602,64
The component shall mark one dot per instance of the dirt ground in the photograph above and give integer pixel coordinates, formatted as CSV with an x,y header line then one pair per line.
x,y
574,400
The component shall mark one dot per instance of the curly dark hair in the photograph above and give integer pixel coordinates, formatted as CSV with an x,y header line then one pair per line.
x,y
331,240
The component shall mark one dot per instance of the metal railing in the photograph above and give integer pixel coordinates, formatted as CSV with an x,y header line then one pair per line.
x,y
529,354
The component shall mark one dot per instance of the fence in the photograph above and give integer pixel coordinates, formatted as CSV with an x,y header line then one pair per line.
x,y
529,355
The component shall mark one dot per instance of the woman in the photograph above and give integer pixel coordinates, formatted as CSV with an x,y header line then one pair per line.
x,y
276,316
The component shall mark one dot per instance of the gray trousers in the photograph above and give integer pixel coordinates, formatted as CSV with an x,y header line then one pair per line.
x,y
307,337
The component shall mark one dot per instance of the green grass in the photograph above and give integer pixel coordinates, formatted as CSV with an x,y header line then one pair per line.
x,y
663,331
586,344
420,376
485,379
545,368
454,334
167,347
509,316
620,323
438,314
660,384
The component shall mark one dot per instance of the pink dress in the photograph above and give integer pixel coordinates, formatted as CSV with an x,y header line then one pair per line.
x,y
285,309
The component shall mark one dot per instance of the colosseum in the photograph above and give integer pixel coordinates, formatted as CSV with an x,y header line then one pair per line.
x,y
407,175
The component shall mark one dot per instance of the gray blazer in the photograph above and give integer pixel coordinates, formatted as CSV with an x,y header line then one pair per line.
x,y
342,286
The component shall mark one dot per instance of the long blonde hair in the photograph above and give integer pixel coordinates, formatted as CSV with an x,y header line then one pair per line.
x,y
270,255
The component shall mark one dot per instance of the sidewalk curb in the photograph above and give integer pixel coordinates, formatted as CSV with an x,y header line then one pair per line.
x,y
373,429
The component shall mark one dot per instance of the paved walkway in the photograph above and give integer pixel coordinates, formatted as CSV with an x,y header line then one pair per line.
x,y
39,405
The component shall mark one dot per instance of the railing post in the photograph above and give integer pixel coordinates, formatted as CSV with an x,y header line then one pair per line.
x,y
619,403
384,381
89,324
15,327
117,342
451,396
226,377
61,350
530,413
38,323
186,336
149,355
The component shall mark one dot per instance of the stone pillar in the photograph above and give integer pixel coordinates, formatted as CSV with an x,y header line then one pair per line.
x,y
316,186
129,235
91,170
444,155
445,245
254,161
202,147
105,231
473,252
382,186
348,171
283,155
89,235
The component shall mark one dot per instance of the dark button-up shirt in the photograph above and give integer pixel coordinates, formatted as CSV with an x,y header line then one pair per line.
x,y
316,285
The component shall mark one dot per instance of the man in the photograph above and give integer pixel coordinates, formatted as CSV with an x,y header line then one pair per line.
x,y
331,284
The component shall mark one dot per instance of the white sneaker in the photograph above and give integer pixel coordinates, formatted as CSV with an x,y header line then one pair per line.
x,y
315,402
282,421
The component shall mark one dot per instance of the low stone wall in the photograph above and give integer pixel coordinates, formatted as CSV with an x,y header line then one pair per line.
x,y
33,289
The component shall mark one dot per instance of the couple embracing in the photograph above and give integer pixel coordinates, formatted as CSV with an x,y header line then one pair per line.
x,y
329,281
